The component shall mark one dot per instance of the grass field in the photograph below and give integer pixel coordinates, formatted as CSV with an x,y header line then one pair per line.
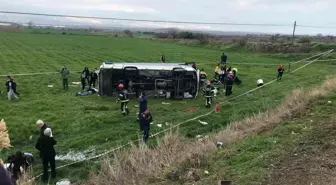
x,y
298,151
95,122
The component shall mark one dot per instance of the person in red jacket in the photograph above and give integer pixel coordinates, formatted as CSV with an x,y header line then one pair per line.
x,y
281,69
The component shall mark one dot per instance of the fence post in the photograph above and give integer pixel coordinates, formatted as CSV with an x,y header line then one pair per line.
x,y
289,66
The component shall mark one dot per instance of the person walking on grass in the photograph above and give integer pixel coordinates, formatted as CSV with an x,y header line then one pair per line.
x,y
281,69
123,98
11,89
145,120
45,145
65,75
217,71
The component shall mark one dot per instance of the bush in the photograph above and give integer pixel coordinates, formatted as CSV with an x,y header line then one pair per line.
x,y
304,40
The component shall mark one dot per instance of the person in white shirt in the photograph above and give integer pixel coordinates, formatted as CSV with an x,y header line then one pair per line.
x,y
260,83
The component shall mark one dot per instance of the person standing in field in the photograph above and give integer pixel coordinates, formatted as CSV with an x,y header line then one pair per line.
x,y
45,145
208,95
163,59
42,126
65,75
123,98
93,78
145,120
11,88
223,58
229,84
217,71
281,69
142,107
84,77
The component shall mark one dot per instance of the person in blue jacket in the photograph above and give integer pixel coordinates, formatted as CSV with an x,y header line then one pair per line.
x,y
142,107
146,119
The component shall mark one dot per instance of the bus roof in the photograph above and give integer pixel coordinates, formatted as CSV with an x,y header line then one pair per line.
x,y
153,66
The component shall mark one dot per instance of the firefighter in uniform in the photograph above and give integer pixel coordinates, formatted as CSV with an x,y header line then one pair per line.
x,y
123,98
208,94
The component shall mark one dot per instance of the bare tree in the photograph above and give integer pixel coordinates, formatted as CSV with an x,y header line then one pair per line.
x,y
30,24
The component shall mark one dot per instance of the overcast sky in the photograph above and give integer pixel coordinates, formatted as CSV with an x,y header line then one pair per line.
x,y
305,12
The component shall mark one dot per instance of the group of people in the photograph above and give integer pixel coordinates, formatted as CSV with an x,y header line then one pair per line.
x,y
87,78
20,161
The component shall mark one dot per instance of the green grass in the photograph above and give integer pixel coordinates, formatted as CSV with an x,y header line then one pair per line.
x,y
251,161
82,122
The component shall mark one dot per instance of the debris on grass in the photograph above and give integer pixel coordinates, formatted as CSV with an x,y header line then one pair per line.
x,y
203,122
164,103
159,125
167,124
329,102
206,172
64,182
50,85
219,144
76,83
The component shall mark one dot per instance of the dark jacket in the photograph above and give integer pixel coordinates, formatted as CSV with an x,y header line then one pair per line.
x,y
230,81
223,58
94,75
4,177
143,104
11,84
281,69
123,95
146,118
45,145
43,128
207,91
163,59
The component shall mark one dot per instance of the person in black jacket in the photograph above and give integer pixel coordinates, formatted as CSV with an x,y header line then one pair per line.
x,y
93,78
45,145
208,94
229,84
223,58
42,125
11,88
4,177
123,98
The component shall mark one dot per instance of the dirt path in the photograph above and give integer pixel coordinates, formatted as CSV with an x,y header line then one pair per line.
x,y
312,162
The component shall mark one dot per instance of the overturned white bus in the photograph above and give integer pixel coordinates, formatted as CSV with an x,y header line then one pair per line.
x,y
173,80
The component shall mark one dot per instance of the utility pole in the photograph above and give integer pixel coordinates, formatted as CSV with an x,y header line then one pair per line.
x,y
293,33
289,65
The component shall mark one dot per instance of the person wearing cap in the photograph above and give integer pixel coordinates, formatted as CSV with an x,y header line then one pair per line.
x,y
281,69
208,94
11,88
42,125
45,145
123,98
65,75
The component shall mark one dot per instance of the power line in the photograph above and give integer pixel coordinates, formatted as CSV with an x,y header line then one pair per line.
x,y
146,20
311,26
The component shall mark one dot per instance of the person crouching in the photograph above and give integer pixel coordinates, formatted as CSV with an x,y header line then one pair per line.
x,y
45,145
123,98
